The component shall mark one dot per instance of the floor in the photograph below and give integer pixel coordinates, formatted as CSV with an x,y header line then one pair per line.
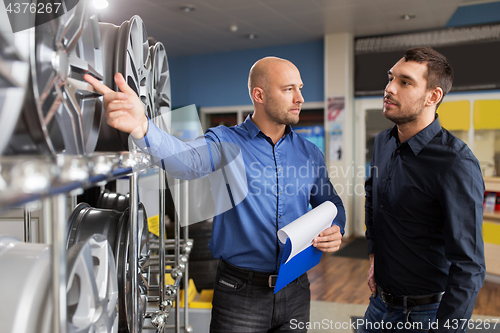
x,y
343,280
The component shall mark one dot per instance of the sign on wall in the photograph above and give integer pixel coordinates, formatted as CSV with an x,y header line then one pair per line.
x,y
336,117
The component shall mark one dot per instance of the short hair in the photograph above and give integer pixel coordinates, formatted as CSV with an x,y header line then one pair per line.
x,y
256,78
439,70
259,73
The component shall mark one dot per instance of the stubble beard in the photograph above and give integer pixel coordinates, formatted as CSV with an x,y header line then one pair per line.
x,y
280,115
408,114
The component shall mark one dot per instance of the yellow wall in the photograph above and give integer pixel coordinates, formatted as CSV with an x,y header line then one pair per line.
x,y
487,114
455,116
491,232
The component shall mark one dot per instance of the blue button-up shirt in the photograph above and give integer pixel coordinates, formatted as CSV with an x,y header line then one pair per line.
x,y
424,210
281,180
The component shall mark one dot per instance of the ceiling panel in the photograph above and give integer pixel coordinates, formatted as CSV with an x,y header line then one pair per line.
x,y
207,29
225,5
286,7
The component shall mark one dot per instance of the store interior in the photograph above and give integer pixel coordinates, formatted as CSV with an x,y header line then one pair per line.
x,y
82,207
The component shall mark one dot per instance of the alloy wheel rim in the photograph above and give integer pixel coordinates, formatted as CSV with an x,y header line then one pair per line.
x,y
161,87
67,108
14,76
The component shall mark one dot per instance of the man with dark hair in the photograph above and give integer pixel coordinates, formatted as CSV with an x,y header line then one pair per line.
x,y
423,210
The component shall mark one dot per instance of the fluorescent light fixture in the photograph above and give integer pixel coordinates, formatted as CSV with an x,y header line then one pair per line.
x,y
101,4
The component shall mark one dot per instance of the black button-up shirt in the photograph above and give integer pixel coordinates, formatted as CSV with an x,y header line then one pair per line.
x,y
424,211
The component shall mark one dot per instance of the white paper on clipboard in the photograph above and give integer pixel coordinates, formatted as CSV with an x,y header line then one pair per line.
x,y
303,230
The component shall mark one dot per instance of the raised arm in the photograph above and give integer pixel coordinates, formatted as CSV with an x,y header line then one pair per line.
x,y
183,160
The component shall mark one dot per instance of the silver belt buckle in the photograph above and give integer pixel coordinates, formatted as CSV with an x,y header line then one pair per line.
x,y
272,280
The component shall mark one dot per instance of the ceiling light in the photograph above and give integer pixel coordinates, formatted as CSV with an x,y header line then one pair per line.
x,y
252,36
408,16
233,28
101,4
187,8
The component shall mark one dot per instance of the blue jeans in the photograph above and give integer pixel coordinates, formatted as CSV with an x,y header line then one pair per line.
x,y
382,317
238,306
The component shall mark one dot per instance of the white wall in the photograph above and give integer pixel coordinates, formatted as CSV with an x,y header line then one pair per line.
x,y
339,82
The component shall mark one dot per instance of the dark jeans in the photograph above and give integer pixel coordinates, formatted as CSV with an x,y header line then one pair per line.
x,y
242,307
382,317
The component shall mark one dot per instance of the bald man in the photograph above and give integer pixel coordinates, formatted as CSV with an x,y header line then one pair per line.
x,y
284,174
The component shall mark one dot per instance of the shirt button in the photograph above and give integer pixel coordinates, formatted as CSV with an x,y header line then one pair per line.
x,y
279,169
381,206
279,216
281,192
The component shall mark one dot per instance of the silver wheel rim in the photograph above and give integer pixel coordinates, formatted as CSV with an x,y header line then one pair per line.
x,y
109,34
161,87
14,75
134,59
124,273
110,139
126,51
92,287
107,284
69,112
26,286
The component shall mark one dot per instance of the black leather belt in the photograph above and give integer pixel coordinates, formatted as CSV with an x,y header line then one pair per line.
x,y
409,301
252,277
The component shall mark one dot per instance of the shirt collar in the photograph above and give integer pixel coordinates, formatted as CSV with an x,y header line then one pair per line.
x,y
253,130
422,138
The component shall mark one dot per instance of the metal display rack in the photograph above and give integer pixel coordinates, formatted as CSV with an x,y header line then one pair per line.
x,y
24,179
49,109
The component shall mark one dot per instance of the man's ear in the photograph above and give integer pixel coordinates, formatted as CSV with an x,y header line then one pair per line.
x,y
436,95
258,95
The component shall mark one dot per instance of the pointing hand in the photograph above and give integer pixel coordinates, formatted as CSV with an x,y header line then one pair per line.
x,y
123,110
